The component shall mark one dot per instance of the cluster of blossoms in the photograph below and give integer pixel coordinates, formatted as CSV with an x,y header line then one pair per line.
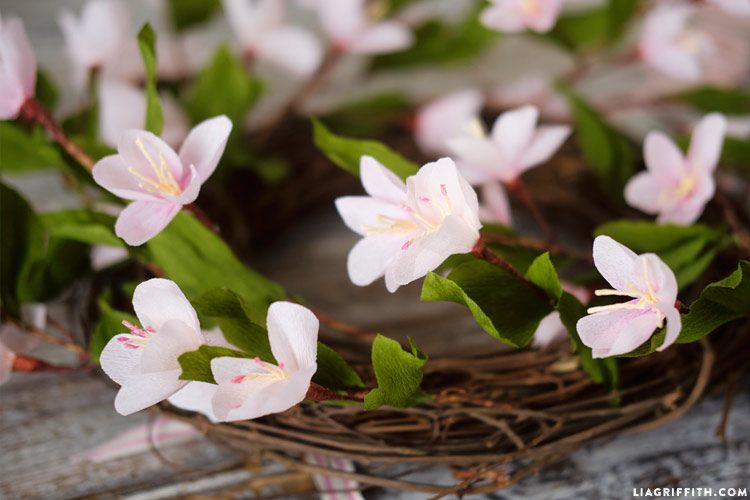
x,y
145,362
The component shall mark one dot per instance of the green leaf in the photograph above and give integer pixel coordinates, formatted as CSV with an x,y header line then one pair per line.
x,y
728,101
601,371
45,91
334,372
241,325
687,250
147,46
198,260
83,225
595,28
369,116
542,273
438,43
346,152
503,307
22,151
399,374
109,325
62,262
187,13
196,365
222,88
607,151
719,303
735,153
21,240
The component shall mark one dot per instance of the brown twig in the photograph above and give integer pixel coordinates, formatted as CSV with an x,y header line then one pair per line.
x,y
734,221
534,244
202,217
518,188
82,353
343,327
481,251
28,364
33,111
319,393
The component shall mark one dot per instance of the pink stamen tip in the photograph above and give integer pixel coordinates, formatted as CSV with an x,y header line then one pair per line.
x,y
132,346
122,339
406,245
128,324
424,199
150,329
443,190
281,365
408,208
238,379
258,360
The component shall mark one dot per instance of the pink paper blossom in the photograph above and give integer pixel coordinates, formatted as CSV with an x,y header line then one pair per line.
x,y
674,186
495,207
17,68
446,118
408,229
352,27
512,16
515,145
144,361
14,341
160,181
739,8
619,328
670,45
122,106
263,32
99,39
251,388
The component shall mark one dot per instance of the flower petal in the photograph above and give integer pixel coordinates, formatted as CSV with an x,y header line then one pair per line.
x,y
549,330
479,158
371,256
611,333
443,119
143,390
18,60
379,182
171,340
496,201
643,192
142,220
205,144
382,37
122,106
707,142
6,363
544,143
674,324
159,300
512,133
615,261
663,159
499,17
118,361
190,189
144,151
293,334
362,212
660,277
111,173
196,396
293,49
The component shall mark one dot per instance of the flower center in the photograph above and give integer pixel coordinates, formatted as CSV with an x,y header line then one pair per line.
x,y
138,337
165,182
530,7
270,372
417,224
646,300
376,10
690,41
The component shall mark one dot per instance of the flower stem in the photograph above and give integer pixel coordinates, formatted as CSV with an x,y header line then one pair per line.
x,y
481,251
26,364
34,112
733,219
343,327
534,244
202,217
319,393
518,188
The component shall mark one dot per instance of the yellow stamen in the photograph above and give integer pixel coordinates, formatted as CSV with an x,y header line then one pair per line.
x,y
530,7
165,182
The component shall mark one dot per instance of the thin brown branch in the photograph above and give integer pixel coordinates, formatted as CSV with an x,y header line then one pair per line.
x,y
202,217
535,244
481,251
343,327
730,214
518,188
82,353
34,112
319,393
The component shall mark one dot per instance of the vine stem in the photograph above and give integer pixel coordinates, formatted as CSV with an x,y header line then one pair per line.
x,y
534,244
518,188
202,217
343,327
33,111
319,393
481,251
80,351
